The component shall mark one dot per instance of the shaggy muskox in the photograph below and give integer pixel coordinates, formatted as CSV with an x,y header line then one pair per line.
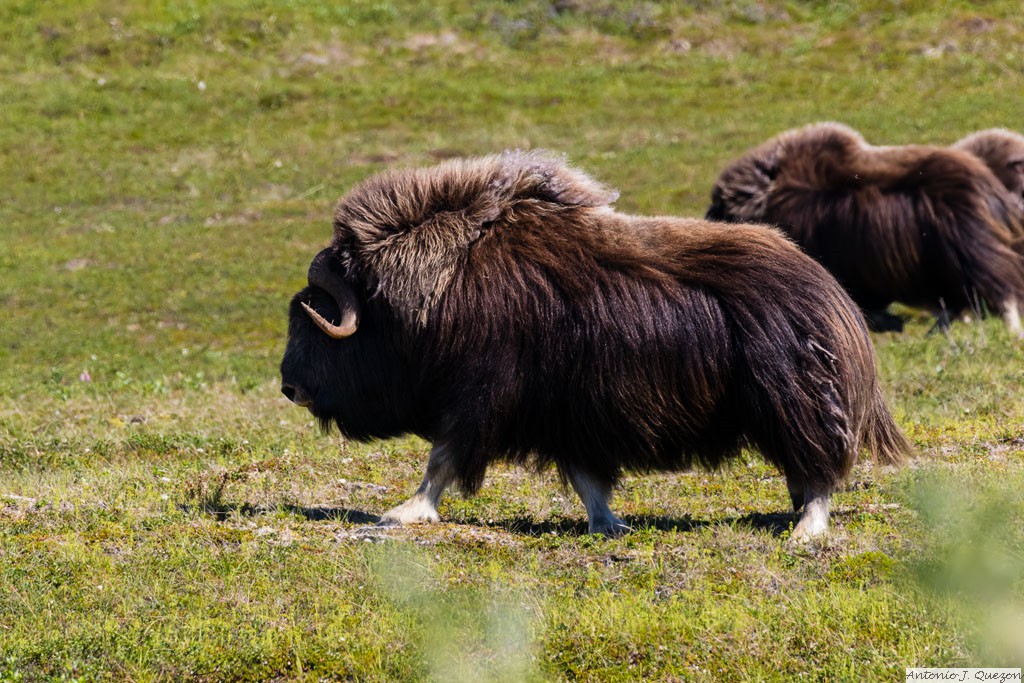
x,y
929,227
501,309
1003,152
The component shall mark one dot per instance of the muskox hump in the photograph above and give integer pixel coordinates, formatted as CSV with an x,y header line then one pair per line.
x,y
408,232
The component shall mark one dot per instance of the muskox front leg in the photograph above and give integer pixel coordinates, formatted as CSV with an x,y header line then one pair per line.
x,y
595,495
421,508
1011,315
814,520
880,320
943,321
796,493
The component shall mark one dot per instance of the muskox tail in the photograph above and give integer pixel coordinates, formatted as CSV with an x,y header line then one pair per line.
x,y
883,439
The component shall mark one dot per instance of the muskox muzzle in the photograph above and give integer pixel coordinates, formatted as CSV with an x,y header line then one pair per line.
x,y
715,212
296,395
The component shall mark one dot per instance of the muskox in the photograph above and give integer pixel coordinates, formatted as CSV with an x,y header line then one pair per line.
x,y
929,227
501,309
1003,152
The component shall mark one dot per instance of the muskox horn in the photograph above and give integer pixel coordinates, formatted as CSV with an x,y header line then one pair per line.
x,y
321,275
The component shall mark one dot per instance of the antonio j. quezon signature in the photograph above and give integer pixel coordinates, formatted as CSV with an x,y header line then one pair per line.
x,y
964,675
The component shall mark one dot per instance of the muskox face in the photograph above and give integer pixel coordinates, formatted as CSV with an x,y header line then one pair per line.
x,y
312,369
1008,165
344,372
743,189
718,211
1003,152
1013,177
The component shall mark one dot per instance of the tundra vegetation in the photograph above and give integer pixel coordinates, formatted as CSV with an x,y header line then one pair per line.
x,y
165,514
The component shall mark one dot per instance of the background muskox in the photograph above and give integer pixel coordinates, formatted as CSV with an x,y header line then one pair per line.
x,y
501,309
1003,152
926,226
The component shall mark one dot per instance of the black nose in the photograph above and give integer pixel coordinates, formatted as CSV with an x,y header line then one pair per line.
x,y
296,395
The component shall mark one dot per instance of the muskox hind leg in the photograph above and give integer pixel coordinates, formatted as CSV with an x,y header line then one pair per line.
x,y
810,428
814,520
595,495
421,508
1011,315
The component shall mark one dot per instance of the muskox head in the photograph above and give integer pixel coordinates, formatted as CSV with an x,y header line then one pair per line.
x,y
741,193
338,360
1003,152
364,334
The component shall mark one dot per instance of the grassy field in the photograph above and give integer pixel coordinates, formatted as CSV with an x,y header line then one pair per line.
x,y
170,168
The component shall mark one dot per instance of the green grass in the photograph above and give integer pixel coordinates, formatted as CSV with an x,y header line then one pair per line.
x,y
170,168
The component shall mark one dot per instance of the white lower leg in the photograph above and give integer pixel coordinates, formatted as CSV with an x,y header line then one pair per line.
x,y
595,497
1011,314
421,508
814,520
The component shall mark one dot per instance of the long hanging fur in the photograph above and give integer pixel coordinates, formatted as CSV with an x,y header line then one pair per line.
x,y
509,312
925,226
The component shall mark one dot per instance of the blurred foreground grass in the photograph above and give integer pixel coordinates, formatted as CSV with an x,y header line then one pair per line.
x,y
169,169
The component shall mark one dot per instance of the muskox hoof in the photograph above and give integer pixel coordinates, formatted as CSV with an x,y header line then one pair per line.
x,y
805,533
881,321
813,522
413,511
609,527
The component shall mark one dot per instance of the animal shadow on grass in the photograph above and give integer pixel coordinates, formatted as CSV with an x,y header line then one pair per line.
x,y
774,523
223,511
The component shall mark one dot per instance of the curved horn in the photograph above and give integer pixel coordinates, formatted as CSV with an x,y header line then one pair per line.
x,y
320,275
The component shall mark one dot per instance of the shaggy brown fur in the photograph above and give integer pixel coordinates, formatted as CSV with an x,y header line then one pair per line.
x,y
925,226
508,312
1003,152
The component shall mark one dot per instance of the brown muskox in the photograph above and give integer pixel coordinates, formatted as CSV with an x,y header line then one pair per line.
x,y
929,227
1003,152
501,309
